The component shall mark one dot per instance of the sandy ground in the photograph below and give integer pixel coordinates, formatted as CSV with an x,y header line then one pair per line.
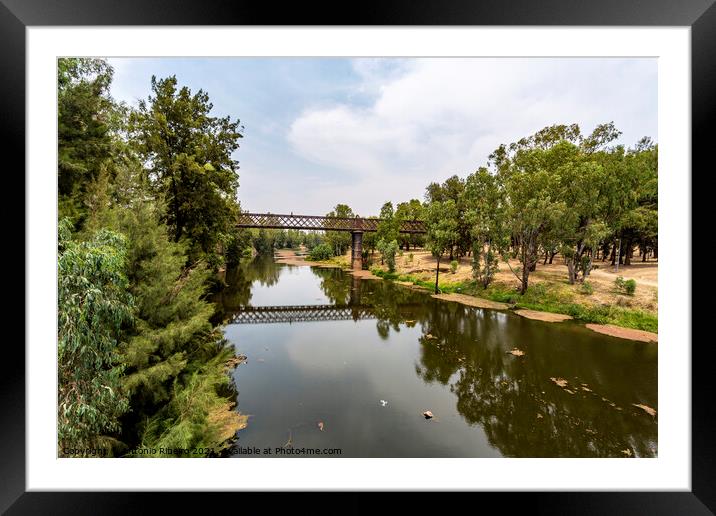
x,y
601,279
288,256
624,333
472,301
543,316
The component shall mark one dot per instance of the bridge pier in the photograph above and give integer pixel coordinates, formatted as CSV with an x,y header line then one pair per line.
x,y
357,250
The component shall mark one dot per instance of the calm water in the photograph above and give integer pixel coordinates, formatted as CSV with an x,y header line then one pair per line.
x,y
325,347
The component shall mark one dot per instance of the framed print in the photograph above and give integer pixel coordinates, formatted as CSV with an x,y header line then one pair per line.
x,y
415,250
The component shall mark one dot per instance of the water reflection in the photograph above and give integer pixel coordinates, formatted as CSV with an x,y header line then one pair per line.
x,y
489,400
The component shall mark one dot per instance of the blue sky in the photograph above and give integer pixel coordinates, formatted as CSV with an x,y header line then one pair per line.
x,y
319,131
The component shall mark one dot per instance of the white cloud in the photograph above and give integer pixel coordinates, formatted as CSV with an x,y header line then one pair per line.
x,y
432,118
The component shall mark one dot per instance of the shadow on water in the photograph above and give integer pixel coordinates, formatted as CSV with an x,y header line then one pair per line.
x,y
348,343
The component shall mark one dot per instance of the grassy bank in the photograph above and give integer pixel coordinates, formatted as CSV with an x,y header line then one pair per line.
x,y
543,296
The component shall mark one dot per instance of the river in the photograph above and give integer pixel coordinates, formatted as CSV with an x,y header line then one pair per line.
x,y
342,366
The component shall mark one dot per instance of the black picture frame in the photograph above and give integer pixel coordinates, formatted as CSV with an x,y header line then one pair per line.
x,y
16,15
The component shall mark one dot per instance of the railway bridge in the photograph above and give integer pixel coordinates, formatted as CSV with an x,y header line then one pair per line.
x,y
355,225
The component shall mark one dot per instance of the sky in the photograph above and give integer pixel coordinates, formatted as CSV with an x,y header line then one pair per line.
x,y
362,131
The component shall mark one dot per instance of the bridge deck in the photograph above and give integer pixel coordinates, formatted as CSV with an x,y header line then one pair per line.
x,y
315,222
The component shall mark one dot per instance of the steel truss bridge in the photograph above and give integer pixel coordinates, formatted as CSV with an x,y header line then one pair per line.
x,y
315,222
356,225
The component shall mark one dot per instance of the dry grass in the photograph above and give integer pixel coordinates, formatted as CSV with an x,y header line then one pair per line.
x,y
601,279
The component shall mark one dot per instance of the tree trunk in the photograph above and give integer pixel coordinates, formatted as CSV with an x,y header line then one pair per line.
x,y
628,253
551,256
526,266
613,256
177,224
525,279
437,274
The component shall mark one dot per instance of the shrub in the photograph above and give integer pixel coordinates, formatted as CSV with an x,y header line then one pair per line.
x,y
388,251
587,288
321,252
453,266
619,284
630,286
626,287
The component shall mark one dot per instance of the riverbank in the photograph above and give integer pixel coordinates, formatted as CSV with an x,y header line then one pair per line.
x,y
549,293
598,303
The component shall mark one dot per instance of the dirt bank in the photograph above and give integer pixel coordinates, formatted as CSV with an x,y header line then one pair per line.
x,y
624,333
472,301
543,316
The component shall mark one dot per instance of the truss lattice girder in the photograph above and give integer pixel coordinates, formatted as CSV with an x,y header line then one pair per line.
x,y
315,222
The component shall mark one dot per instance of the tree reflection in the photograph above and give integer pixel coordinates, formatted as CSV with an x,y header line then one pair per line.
x,y
524,413
236,292
335,284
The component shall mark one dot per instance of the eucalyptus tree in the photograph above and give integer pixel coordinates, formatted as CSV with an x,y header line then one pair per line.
x,y
532,191
93,305
387,252
485,212
638,223
453,188
591,186
387,230
442,230
339,241
409,211
370,240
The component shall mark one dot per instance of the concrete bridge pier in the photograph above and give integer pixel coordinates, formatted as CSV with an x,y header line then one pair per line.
x,y
357,250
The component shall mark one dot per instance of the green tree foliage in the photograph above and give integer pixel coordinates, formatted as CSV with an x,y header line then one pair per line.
x,y
555,191
134,323
387,251
442,230
532,207
321,252
237,244
173,357
410,211
453,189
93,305
85,113
340,241
263,241
485,212
388,226
188,155
370,240
311,239
636,219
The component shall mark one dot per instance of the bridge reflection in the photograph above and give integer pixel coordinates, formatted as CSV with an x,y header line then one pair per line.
x,y
311,313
